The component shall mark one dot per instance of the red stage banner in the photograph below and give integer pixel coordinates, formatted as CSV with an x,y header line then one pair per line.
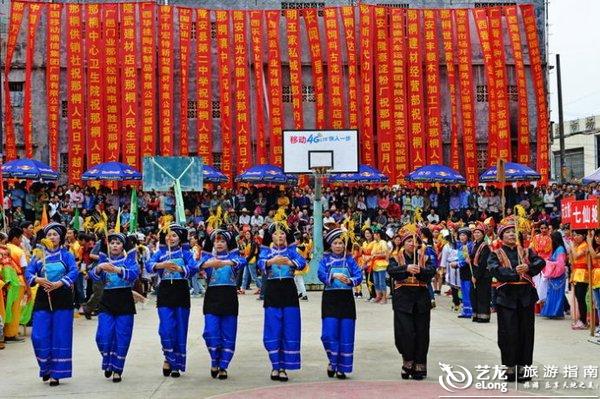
x,y
535,60
483,30
165,61
349,28
500,83
465,78
148,81
314,41
367,154
447,21
185,23
584,214
95,85
224,61
295,63
565,210
129,88
523,150
16,17
75,93
53,80
415,90
242,91
256,33
398,65
34,18
110,14
275,87
432,69
334,69
204,87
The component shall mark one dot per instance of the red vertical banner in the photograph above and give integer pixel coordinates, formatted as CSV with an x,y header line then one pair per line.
x,y
398,65
256,33
129,86
523,150
535,60
16,17
242,90
204,147
53,80
367,154
383,90
34,18
416,121
500,82
351,53
447,21
295,63
75,93
334,69
148,80
185,24
95,85
465,78
483,30
165,61
314,41
275,87
432,75
110,15
224,61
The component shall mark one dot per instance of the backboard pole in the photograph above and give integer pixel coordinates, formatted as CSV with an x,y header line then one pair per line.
x,y
317,226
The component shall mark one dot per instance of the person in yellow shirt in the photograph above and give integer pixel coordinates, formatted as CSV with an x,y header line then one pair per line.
x,y
380,254
367,261
304,248
580,276
4,264
18,289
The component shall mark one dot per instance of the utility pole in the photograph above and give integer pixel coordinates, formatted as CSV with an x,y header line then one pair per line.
x,y
561,128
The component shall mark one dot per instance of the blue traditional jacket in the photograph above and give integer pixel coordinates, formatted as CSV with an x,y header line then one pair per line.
x,y
226,275
181,256
278,272
57,265
127,275
332,264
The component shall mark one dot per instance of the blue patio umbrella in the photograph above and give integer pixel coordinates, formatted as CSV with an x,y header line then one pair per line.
x,y
213,175
266,174
366,174
593,178
115,171
436,174
30,169
512,171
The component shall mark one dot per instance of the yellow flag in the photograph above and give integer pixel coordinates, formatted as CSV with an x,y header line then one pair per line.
x,y
118,223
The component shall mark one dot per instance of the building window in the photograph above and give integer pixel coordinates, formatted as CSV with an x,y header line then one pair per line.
x,y
193,31
192,112
216,109
296,5
574,126
494,4
286,94
308,94
16,93
573,164
213,30
482,161
482,93
64,109
513,93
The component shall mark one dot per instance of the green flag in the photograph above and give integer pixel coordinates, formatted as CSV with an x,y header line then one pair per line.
x,y
75,221
133,214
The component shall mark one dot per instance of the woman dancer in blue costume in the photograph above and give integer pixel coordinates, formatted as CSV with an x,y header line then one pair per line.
x,y
340,273
281,335
53,268
118,270
174,263
222,262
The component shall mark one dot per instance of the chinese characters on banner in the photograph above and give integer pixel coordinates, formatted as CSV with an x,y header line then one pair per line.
x,y
76,111
367,154
148,81
334,69
111,82
166,61
535,59
185,23
565,209
447,21
349,28
398,65
256,33
432,69
416,121
224,61
584,214
53,80
129,88
523,150
242,99
204,86
96,130
314,41
275,87
34,19
295,63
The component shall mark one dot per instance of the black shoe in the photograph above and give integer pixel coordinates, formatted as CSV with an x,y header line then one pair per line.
x,y
87,315
46,377
304,298
406,372
300,295
521,379
511,377
175,374
340,375
283,377
330,372
166,370
116,377
108,373
419,372
14,339
360,296
476,320
54,383
222,374
214,372
275,375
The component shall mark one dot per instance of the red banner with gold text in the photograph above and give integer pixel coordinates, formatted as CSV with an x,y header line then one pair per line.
x,y
185,26
432,75
398,65
367,154
314,41
535,59
34,18
148,81
224,61
256,33
53,80
275,87
416,115
447,22
110,14
95,86
204,86
165,65
129,85
242,91
334,69
351,51
295,62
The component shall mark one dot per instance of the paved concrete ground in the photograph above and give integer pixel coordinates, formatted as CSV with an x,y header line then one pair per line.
x,y
377,363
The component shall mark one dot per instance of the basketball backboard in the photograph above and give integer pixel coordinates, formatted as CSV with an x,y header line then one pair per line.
x,y
333,150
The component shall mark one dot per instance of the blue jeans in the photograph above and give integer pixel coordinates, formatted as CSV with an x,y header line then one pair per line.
x,y
197,287
79,290
250,273
379,281
596,292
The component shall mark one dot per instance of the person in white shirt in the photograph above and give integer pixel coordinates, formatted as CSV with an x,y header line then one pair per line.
x,y
257,219
244,217
433,217
327,218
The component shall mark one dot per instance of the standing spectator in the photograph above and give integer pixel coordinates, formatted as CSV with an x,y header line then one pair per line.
x,y
549,200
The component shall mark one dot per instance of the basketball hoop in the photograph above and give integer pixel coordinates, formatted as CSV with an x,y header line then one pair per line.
x,y
320,170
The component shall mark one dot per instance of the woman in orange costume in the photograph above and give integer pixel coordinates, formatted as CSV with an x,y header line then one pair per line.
x,y
367,261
